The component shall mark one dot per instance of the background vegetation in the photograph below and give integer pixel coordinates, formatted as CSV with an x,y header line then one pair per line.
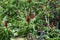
x,y
23,16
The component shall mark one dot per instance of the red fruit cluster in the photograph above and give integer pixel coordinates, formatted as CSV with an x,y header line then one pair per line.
x,y
5,23
28,18
32,16
52,25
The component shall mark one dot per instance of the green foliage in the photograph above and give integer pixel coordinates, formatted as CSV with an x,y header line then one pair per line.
x,y
52,34
16,11
5,34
